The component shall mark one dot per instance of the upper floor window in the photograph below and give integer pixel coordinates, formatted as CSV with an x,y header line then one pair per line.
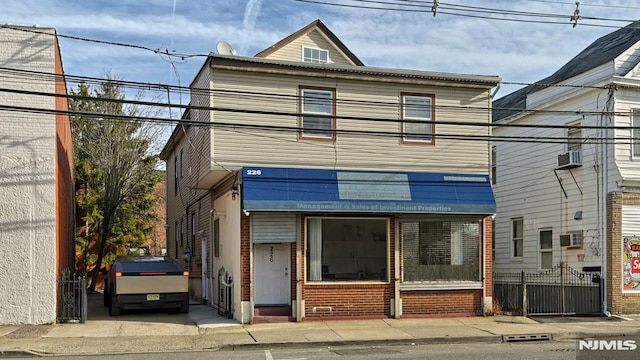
x,y
175,173
318,113
635,133
494,166
313,55
418,116
181,163
517,227
574,138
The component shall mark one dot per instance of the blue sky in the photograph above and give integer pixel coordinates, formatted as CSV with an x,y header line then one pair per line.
x,y
517,51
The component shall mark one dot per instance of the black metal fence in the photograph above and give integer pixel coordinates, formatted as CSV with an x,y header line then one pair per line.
x,y
225,291
72,297
559,290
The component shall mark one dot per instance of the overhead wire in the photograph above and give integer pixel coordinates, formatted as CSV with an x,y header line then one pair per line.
x,y
472,12
282,98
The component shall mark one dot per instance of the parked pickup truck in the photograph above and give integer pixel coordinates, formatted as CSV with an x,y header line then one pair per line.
x,y
146,282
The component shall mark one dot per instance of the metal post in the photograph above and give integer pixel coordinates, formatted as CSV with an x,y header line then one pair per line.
x,y
525,305
562,289
83,299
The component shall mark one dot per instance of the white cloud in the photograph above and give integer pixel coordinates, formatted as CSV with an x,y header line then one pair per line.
x,y
516,51
251,12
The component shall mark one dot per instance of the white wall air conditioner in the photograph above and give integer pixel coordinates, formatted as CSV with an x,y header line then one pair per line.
x,y
570,160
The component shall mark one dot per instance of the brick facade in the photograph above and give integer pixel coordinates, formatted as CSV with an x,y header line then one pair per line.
x,y
372,300
442,302
618,302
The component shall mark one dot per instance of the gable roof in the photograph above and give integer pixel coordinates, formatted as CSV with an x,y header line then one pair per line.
x,y
601,51
319,25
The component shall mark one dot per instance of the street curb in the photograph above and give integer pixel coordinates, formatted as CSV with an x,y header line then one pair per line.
x,y
19,353
493,339
582,335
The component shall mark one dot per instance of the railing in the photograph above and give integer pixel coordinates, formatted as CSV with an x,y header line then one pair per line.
x,y
72,297
559,290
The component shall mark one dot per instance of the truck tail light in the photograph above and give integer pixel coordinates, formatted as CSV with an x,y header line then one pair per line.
x,y
118,274
185,273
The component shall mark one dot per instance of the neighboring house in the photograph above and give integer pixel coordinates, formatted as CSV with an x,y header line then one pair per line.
x,y
570,191
317,187
36,186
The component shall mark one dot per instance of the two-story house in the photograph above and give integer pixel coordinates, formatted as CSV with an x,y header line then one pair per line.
x,y
567,175
305,184
36,182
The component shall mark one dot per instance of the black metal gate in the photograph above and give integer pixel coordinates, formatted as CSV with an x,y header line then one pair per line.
x,y
225,290
72,297
559,290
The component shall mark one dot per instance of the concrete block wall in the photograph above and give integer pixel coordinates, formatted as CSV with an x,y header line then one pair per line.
x,y
27,184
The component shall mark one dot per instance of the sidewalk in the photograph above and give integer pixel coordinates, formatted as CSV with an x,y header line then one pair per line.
x,y
202,329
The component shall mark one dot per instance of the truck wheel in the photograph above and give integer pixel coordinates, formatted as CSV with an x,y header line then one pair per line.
x,y
106,296
184,307
114,309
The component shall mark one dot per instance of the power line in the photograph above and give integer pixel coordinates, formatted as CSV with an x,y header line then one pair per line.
x,y
472,12
337,117
133,46
286,98
297,129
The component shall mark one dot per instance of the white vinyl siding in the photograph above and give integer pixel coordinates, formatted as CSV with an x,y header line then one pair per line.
x,y
314,39
530,188
635,133
370,101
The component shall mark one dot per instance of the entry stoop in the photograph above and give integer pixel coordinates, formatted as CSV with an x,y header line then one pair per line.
x,y
271,314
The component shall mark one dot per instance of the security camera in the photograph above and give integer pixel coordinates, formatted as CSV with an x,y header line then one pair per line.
x,y
246,213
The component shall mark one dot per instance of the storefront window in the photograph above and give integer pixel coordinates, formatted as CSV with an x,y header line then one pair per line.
x,y
441,251
347,249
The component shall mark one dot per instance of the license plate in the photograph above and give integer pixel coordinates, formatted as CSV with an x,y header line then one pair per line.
x,y
153,297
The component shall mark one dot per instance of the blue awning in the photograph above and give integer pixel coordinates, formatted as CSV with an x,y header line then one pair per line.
x,y
318,190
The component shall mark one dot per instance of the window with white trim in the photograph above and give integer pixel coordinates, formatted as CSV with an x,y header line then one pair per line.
x,y
347,249
635,133
574,137
517,231
417,118
315,55
318,113
546,249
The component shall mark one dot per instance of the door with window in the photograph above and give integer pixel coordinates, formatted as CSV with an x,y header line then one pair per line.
x,y
272,274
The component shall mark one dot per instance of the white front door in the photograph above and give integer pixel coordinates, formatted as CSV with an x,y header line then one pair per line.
x,y
205,272
272,275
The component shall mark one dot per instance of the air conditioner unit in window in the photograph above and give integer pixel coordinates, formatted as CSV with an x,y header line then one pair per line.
x,y
569,160
565,240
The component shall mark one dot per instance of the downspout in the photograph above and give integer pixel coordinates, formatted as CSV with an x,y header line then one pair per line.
x,y
483,263
299,307
397,303
603,271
